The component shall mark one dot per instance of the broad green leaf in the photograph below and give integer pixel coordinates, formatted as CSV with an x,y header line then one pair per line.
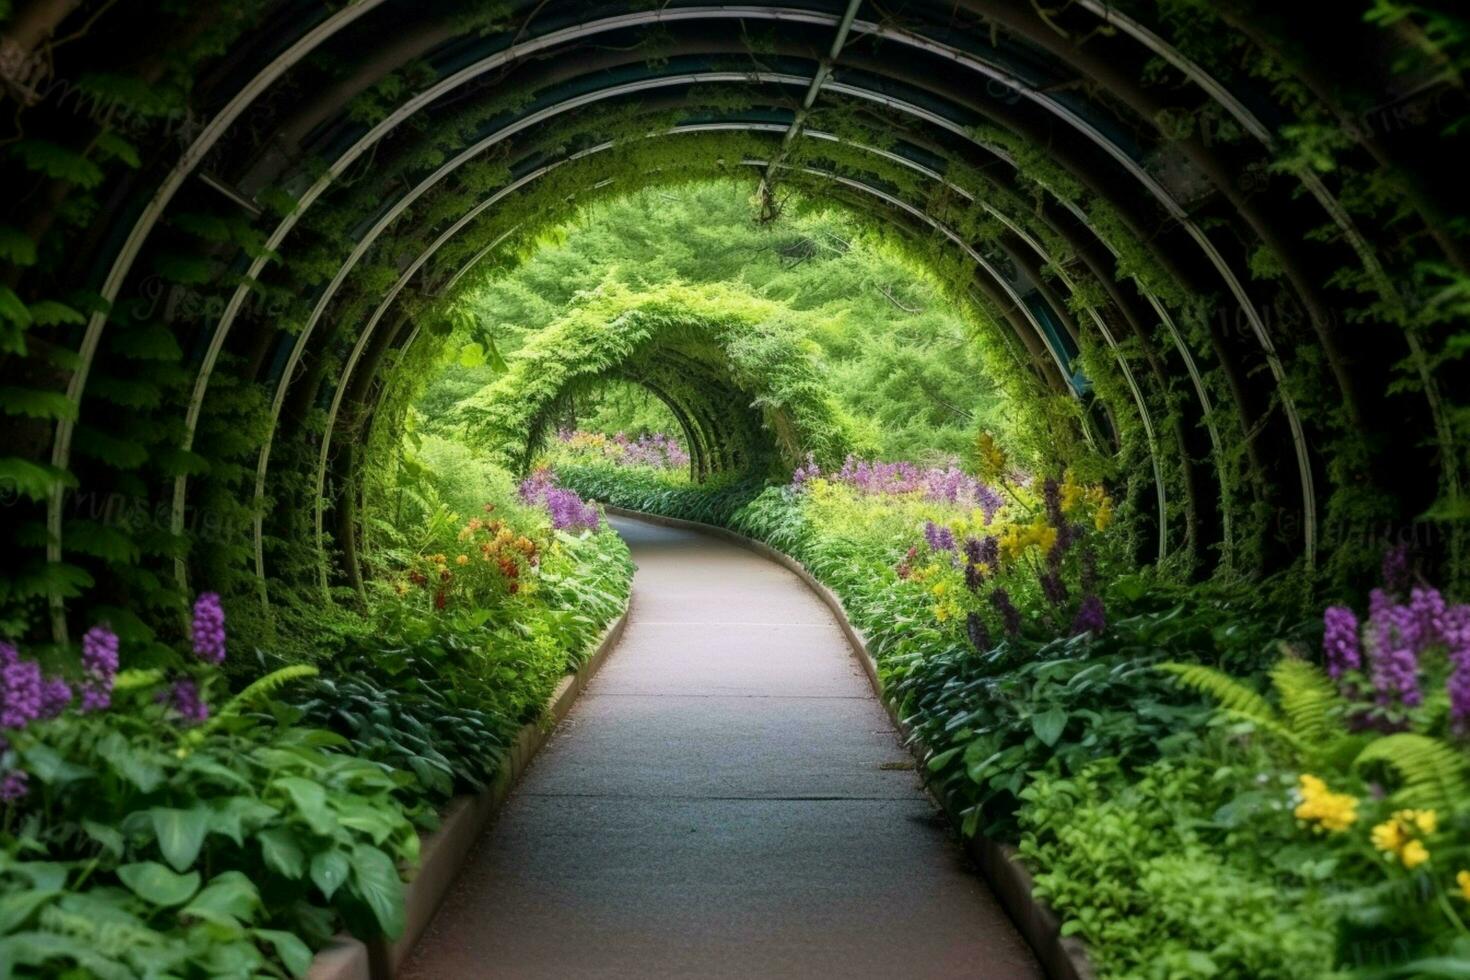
x,y
329,869
291,951
311,802
110,838
130,762
47,765
377,881
18,906
281,852
154,883
180,833
1049,725
228,900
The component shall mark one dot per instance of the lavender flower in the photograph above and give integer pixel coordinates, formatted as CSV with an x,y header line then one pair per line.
x,y
99,660
1091,617
20,689
184,699
569,512
803,474
938,538
1429,609
208,629
1010,616
1456,632
979,634
55,696
1395,655
1340,647
14,785
990,501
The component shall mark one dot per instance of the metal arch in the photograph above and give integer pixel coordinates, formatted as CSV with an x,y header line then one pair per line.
x,y
122,264
776,13
61,446
367,331
474,70
371,236
1179,214
382,308
264,461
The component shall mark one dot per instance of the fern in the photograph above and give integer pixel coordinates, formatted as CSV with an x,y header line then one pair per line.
x,y
1234,698
1309,701
1432,773
261,688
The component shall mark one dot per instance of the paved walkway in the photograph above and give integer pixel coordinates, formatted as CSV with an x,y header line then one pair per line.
x,y
726,799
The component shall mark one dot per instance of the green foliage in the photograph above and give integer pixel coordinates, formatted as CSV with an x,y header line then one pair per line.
x,y
711,350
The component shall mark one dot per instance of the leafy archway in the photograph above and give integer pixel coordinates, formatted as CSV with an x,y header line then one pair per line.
x,y
749,396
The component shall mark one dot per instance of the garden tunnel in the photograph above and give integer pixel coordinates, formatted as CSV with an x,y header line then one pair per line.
x,y
1217,250
703,352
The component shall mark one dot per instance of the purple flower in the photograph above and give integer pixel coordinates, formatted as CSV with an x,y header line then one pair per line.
x,y
1051,494
802,474
1395,655
1396,569
939,538
55,696
1429,608
569,512
1053,588
1456,632
977,631
1340,647
990,501
20,689
1091,617
184,699
1010,616
14,785
208,629
534,487
99,660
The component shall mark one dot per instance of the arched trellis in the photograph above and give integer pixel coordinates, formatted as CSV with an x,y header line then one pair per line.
x,y
917,214
997,69
990,71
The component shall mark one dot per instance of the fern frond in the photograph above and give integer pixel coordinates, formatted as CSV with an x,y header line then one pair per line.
x,y
263,687
1309,700
1432,773
1233,697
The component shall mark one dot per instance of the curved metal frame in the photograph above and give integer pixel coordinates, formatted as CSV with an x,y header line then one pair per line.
x,y
242,100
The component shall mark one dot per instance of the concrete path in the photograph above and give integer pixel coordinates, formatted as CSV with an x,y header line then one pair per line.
x,y
726,799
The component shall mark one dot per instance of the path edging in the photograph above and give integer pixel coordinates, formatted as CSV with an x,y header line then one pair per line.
x,y
442,853
1063,957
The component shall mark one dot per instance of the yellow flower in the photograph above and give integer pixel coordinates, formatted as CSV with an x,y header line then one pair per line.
x,y
1332,812
462,560
940,588
941,612
1071,493
1104,515
1388,836
1413,854
1427,821
1463,880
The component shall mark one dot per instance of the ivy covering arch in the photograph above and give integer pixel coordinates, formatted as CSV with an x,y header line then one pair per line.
x,y
748,395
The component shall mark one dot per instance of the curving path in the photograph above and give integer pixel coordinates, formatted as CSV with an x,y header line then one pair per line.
x,y
726,799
